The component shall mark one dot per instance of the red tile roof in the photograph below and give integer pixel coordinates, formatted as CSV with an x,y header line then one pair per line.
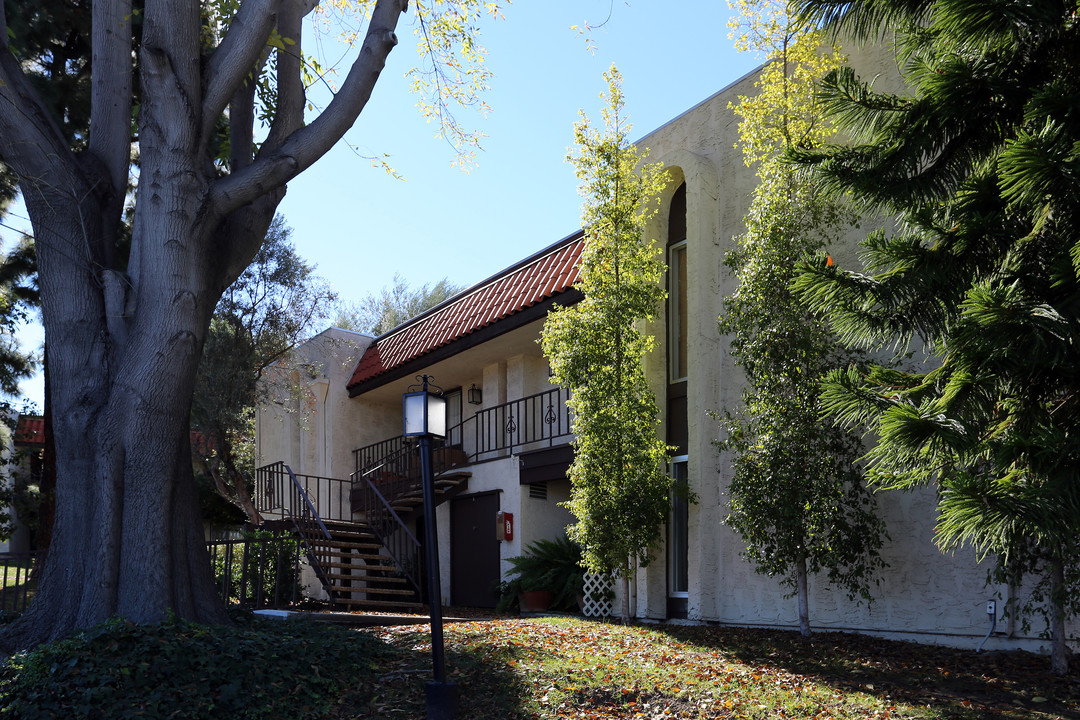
x,y
30,430
544,275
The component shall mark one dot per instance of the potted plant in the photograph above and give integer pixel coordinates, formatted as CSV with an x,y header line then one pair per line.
x,y
548,575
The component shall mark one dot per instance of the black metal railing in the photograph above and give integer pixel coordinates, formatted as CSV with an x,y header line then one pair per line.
x,y
280,491
529,423
17,584
258,570
389,479
368,456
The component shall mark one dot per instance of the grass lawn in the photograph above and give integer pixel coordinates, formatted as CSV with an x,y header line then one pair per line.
x,y
569,668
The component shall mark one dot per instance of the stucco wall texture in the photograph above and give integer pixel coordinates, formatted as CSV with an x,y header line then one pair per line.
x,y
924,594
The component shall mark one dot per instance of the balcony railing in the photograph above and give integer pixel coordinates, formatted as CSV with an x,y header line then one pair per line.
x,y
280,492
528,423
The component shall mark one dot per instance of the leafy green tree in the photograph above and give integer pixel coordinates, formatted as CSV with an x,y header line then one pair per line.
x,y
126,316
796,496
620,490
977,160
395,304
264,314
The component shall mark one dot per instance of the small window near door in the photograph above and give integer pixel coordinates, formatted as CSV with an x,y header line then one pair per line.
x,y
453,417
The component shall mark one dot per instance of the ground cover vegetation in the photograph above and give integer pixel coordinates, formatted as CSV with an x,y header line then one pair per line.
x,y
511,669
619,484
976,159
797,496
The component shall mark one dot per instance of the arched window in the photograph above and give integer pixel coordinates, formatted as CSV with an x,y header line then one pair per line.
x,y
677,427
677,322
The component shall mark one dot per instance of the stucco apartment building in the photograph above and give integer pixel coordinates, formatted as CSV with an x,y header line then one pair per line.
x,y
510,430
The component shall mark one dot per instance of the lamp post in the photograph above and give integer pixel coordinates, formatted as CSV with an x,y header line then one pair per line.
x,y
424,413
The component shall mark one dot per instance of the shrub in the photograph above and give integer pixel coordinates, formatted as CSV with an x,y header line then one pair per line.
x,y
259,570
553,565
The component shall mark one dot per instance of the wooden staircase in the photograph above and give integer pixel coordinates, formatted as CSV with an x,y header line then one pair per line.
x,y
409,504
373,563
356,573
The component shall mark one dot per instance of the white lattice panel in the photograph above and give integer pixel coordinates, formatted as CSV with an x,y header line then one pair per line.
x,y
599,595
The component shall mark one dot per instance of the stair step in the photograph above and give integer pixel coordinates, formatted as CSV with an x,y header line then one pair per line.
x,y
345,545
360,576
355,575
351,545
393,604
374,590
362,569
357,556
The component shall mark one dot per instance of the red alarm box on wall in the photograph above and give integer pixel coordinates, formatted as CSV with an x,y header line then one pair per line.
x,y
504,525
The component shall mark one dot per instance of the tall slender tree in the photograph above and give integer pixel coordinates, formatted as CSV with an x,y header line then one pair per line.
x,y
620,489
978,161
125,319
797,497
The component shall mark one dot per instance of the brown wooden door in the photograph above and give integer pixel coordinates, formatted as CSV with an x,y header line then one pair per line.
x,y
474,550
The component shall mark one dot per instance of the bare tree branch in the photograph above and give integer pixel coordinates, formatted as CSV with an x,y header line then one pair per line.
x,y
303,147
289,115
31,142
235,59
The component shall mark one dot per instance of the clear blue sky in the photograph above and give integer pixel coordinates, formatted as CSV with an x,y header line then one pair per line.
x,y
360,226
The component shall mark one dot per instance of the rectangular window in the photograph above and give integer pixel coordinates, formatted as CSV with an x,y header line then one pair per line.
x,y
453,417
678,541
678,313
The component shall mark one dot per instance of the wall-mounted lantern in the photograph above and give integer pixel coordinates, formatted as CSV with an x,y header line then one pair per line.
x,y
476,395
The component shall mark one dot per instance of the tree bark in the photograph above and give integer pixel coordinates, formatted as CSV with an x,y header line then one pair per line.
x,y
235,493
801,584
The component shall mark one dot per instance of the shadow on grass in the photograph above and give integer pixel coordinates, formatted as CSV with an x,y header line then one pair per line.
x,y
487,688
994,684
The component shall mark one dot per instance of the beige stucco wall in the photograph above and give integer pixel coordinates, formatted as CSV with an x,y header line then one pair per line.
x,y
308,421
924,593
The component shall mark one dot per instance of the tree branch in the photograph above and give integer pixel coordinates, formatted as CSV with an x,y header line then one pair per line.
x,y
242,126
235,59
31,142
110,99
303,147
289,114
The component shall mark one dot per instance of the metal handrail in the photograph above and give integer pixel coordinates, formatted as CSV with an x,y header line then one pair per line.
x,y
397,539
302,492
265,498
536,418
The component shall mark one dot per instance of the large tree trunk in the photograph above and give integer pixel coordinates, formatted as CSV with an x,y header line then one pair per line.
x,y
128,539
801,585
124,339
